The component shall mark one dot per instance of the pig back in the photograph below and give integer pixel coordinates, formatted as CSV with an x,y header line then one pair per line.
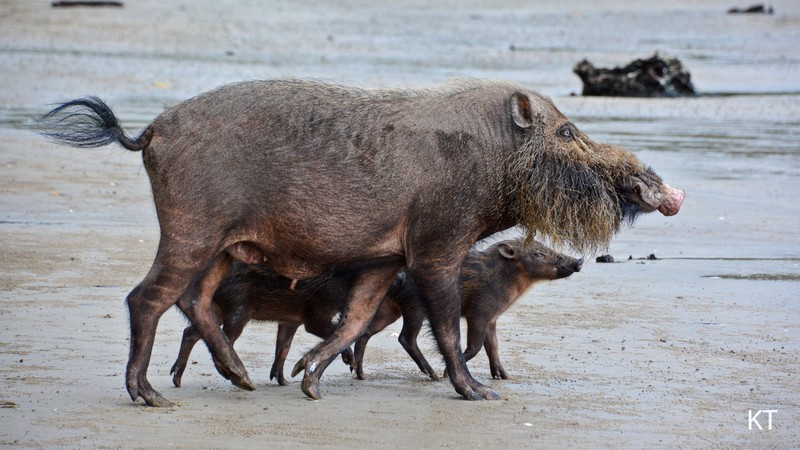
x,y
340,165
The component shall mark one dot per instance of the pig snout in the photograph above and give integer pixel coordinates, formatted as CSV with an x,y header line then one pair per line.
x,y
672,204
569,267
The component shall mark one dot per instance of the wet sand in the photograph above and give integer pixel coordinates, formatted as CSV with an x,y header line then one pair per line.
x,y
675,351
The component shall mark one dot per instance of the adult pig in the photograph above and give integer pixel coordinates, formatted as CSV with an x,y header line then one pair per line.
x,y
491,281
308,177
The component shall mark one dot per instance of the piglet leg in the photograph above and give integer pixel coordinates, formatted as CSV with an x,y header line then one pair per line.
x,y
365,297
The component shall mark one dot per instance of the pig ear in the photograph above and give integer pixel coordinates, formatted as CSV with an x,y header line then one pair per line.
x,y
507,251
522,110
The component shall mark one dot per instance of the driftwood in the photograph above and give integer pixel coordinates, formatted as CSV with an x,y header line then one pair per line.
x,y
657,76
66,4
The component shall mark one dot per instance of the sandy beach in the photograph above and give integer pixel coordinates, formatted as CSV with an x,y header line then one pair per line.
x,y
680,351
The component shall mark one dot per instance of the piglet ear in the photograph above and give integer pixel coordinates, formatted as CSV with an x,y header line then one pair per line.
x,y
521,110
506,250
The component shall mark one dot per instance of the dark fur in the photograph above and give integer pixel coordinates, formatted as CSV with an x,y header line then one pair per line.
x,y
490,282
253,292
66,125
310,177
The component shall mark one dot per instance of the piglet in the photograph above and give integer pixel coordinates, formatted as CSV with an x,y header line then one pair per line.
x,y
491,281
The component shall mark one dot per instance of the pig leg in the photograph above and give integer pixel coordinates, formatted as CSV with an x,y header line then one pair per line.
x,y
439,288
320,323
360,347
166,281
146,305
383,318
365,297
412,325
283,343
490,343
349,358
196,303
147,302
190,338
476,328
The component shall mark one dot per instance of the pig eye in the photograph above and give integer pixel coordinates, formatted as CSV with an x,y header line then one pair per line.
x,y
565,131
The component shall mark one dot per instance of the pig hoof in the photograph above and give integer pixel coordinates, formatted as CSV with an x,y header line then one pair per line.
x,y
154,399
310,388
475,395
222,370
299,366
432,373
488,394
138,386
243,382
279,375
476,391
349,359
159,402
177,373
472,395
499,374
238,378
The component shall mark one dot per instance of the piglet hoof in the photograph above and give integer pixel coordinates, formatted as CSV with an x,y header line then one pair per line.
x,y
278,373
349,359
177,373
499,373
281,380
428,370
